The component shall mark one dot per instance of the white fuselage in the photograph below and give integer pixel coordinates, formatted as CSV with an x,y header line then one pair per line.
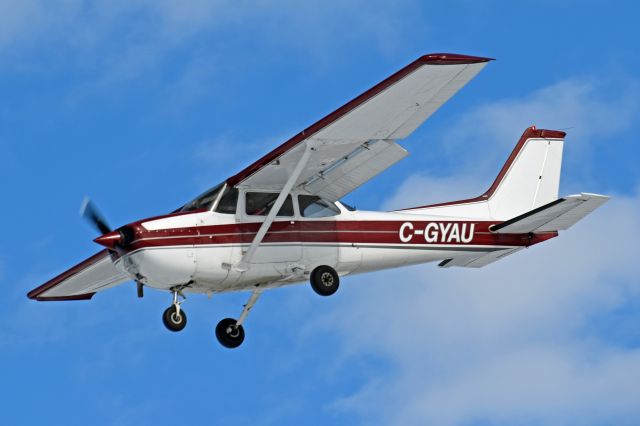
x,y
201,250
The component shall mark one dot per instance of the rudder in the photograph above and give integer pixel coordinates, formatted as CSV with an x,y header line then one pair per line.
x,y
531,176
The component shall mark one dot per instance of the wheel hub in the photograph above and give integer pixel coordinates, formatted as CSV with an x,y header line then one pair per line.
x,y
327,279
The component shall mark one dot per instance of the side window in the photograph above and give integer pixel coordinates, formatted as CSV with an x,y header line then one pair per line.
x,y
228,202
260,203
312,206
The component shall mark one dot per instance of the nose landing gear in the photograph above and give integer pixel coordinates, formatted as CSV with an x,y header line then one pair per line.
x,y
175,318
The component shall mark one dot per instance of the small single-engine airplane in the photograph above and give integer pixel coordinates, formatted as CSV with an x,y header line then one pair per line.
x,y
279,221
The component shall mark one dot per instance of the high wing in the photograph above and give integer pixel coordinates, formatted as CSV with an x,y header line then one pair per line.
x,y
359,140
81,282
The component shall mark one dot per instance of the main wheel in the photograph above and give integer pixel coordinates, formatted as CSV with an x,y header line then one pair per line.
x,y
229,335
173,320
325,280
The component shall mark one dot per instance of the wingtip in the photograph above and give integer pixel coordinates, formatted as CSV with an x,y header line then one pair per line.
x,y
86,296
590,195
452,59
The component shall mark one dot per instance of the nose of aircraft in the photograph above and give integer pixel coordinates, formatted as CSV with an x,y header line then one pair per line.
x,y
110,239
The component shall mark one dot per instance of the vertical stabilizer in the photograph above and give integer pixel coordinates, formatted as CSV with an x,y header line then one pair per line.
x,y
531,176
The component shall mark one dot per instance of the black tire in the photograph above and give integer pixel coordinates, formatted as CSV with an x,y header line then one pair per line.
x,y
325,280
228,334
172,320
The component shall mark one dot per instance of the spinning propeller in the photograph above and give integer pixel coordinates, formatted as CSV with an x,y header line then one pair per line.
x,y
114,240
89,211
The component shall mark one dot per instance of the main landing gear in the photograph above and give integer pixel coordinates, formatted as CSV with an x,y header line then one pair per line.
x,y
174,318
324,280
230,332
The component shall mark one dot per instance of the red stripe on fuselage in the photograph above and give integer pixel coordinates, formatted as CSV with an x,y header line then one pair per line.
x,y
362,232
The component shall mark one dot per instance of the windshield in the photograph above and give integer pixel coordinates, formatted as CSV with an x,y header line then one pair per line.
x,y
204,201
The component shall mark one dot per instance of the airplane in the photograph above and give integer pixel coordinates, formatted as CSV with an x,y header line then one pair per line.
x,y
280,220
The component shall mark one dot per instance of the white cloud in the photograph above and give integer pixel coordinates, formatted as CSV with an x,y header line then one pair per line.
x,y
533,338
115,41
588,107
509,343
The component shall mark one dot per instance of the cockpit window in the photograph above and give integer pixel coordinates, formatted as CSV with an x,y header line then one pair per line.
x,y
228,201
312,206
204,201
260,203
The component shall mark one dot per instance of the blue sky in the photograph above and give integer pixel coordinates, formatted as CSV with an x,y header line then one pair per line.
x,y
143,104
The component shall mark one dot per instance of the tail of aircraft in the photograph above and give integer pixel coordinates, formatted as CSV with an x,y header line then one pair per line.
x,y
531,176
523,199
529,179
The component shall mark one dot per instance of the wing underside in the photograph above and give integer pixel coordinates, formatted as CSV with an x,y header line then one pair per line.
x,y
81,282
359,140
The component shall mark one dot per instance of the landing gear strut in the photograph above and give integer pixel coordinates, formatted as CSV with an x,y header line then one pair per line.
x,y
230,332
175,318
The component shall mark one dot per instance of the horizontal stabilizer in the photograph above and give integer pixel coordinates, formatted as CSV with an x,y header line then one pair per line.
x,y
557,215
478,261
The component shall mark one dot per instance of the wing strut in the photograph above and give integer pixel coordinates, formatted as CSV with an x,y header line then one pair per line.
x,y
243,265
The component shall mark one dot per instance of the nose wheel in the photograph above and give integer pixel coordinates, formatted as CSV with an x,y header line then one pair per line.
x,y
175,318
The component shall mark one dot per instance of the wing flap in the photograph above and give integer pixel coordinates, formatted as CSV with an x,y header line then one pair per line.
x,y
81,282
557,215
362,164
